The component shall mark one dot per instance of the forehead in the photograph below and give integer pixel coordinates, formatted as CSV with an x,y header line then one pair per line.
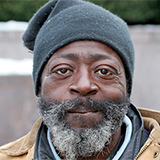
x,y
86,50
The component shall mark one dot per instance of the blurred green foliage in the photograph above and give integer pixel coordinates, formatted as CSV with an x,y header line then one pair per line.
x,y
19,10
132,11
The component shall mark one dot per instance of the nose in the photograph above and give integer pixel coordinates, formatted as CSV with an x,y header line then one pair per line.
x,y
83,86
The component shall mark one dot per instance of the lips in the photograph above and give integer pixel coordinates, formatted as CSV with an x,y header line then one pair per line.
x,y
83,110
83,117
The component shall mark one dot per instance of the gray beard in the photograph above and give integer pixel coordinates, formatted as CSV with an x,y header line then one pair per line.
x,y
89,141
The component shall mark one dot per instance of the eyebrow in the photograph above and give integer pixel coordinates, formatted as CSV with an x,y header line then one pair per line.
x,y
69,56
65,55
97,56
74,56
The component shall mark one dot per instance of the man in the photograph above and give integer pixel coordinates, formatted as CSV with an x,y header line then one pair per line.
x,y
83,72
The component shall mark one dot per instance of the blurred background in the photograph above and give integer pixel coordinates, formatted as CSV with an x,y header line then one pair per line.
x,y
18,110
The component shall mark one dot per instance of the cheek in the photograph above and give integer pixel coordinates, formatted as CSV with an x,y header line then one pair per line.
x,y
113,89
118,88
114,92
49,90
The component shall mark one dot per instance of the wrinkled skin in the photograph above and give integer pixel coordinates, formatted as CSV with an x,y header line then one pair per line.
x,y
84,69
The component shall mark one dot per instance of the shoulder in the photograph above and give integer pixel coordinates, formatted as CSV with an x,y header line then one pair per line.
x,y
7,157
151,120
151,149
21,148
150,114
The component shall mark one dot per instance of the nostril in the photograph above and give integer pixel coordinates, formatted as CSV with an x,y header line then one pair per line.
x,y
74,91
83,89
92,92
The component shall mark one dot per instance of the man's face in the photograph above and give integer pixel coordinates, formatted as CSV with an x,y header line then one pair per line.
x,y
83,69
83,98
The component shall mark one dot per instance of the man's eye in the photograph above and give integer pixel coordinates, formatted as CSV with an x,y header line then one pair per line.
x,y
63,71
104,72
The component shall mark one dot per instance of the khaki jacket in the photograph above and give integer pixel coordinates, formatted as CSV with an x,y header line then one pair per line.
x,y
23,148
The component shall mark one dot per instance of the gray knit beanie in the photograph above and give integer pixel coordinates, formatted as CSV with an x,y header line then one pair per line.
x,y
60,22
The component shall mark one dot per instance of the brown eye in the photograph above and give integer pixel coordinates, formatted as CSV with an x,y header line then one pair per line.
x,y
63,71
104,72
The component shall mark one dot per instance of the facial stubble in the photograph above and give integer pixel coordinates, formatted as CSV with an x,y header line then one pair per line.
x,y
89,141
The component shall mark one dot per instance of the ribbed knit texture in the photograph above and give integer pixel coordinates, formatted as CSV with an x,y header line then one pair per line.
x,y
60,22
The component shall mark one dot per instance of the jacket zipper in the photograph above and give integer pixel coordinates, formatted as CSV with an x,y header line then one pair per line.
x,y
142,150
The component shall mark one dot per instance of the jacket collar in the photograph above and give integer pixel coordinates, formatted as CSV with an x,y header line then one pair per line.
x,y
138,137
22,145
42,148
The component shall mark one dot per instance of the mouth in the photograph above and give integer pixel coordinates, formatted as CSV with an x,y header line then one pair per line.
x,y
87,114
83,117
83,110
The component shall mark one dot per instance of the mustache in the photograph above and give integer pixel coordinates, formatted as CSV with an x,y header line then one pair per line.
x,y
104,106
